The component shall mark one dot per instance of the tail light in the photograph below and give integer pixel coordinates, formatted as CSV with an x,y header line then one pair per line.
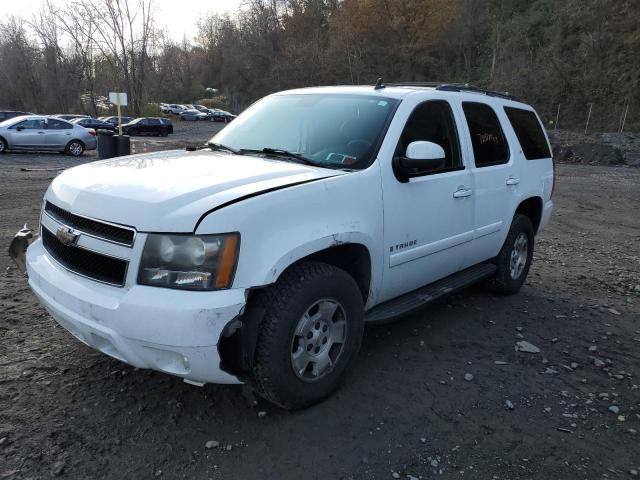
x,y
92,132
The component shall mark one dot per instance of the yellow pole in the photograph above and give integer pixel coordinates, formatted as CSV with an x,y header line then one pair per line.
x,y
119,113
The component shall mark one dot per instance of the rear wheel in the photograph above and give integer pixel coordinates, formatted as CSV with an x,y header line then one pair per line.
x,y
514,259
75,148
3,145
309,335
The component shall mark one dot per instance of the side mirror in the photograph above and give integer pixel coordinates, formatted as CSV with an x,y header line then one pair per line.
x,y
19,128
421,158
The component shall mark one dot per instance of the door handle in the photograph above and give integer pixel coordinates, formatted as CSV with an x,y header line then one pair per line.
x,y
513,181
40,133
462,192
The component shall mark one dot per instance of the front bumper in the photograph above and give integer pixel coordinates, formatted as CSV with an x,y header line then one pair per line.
x,y
171,331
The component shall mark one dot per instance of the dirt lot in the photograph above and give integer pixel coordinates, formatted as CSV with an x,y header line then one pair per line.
x,y
570,411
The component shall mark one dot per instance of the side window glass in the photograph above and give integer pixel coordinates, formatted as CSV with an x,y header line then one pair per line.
x,y
59,125
529,132
32,124
433,121
489,143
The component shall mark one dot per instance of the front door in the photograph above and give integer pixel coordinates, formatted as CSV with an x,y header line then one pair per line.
x,y
428,220
28,134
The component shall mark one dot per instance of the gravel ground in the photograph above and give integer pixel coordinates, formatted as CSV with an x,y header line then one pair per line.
x,y
442,393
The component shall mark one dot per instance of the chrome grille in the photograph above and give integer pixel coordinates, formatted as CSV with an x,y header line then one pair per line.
x,y
84,262
96,228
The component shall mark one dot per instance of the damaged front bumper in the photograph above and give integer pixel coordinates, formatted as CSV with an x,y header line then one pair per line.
x,y
172,331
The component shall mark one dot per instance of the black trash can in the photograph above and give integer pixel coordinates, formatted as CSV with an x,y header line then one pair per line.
x,y
123,145
106,144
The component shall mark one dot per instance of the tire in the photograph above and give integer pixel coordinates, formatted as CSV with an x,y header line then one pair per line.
x,y
75,148
3,145
284,339
164,133
512,262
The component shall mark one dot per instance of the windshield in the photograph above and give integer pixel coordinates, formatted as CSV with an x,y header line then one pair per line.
x,y
331,130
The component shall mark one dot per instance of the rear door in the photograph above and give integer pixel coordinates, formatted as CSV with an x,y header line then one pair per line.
x,y
58,133
494,176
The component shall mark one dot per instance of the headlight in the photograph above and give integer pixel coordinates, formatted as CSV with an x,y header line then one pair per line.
x,y
189,262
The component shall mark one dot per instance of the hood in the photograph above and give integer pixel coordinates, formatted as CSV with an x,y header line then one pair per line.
x,y
169,191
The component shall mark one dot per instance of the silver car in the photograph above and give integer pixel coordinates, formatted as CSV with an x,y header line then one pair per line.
x,y
35,132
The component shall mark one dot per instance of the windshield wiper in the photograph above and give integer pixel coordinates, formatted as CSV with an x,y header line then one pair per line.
x,y
278,152
221,148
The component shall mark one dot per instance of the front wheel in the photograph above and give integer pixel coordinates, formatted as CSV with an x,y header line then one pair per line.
x,y
514,260
75,148
310,334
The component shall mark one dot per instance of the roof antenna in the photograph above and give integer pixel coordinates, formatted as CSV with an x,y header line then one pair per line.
x,y
379,84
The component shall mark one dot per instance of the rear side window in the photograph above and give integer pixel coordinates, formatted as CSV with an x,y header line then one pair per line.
x,y
529,132
58,125
489,143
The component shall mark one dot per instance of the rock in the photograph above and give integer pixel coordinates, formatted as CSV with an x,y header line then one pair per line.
x,y
262,414
58,468
519,335
598,363
554,339
519,329
411,477
509,404
593,348
423,440
574,365
633,472
212,444
395,475
614,409
613,311
468,377
550,371
3,440
547,410
526,347
229,447
435,463
501,362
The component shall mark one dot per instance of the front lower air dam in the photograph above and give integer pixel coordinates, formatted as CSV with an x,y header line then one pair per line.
x,y
18,247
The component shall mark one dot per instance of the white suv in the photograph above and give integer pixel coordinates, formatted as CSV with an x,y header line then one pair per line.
x,y
260,257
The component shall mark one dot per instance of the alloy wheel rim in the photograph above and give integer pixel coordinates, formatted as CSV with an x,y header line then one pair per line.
x,y
75,148
519,254
319,339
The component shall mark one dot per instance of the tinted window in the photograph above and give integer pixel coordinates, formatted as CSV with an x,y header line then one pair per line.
x,y
154,121
489,143
433,122
58,125
529,132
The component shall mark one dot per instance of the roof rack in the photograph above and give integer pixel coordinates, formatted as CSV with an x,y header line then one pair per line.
x,y
450,87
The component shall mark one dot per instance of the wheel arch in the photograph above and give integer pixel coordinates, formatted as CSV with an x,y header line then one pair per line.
x,y
532,208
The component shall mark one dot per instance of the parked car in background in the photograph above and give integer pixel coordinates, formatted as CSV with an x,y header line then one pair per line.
x,y
69,117
7,114
148,126
192,115
176,108
221,116
201,108
114,120
35,132
94,123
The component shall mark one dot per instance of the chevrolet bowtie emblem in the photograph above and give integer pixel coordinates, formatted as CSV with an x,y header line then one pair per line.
x,y
67,235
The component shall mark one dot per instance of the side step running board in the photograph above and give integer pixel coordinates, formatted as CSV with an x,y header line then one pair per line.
x,y
427,294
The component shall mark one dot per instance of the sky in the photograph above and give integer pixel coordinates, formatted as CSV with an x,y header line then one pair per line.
x,y
178,16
